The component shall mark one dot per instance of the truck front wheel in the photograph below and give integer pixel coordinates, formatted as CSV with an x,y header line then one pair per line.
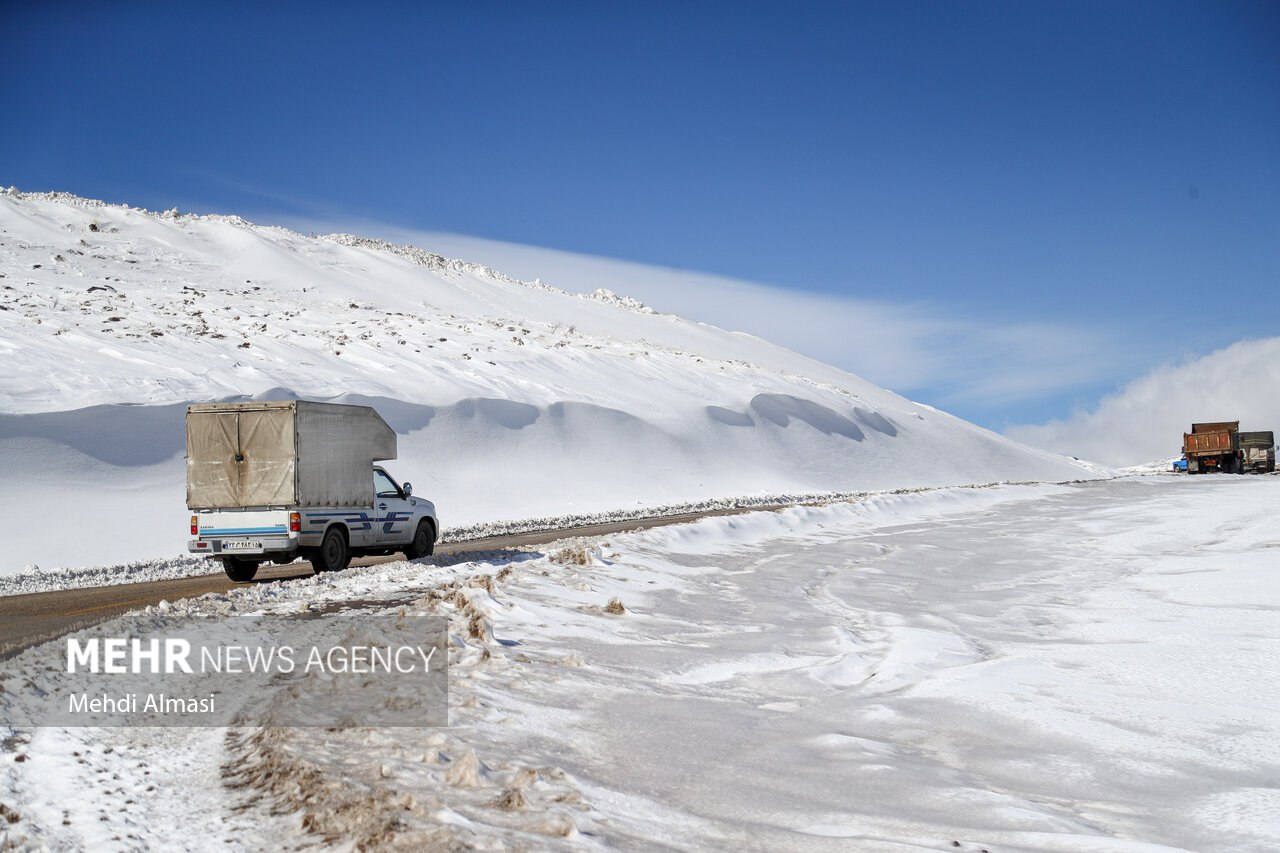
x,y
240,571
333,555
424,541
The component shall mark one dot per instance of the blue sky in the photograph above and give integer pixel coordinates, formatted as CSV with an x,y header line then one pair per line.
x,y
1111,169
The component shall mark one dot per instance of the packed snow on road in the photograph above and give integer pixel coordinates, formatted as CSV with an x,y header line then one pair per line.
x,y
1082,667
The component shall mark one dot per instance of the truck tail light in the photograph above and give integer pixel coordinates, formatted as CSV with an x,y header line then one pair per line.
x,y
195,529
295,522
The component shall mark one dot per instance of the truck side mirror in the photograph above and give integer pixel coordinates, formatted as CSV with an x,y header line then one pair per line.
x,y
408,489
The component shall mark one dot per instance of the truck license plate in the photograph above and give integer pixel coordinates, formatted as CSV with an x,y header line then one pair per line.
x,y
241,545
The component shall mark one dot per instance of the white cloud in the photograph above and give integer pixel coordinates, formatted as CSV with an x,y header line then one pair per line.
x,y
1145,420
907,346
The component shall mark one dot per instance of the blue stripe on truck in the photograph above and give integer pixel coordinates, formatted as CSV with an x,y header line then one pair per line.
x,y
358,521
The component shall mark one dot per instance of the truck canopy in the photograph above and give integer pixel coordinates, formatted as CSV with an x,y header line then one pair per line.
x,y
283,453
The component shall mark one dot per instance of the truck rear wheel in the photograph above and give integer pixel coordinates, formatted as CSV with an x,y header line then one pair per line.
x,y
240,571
424,541
333,555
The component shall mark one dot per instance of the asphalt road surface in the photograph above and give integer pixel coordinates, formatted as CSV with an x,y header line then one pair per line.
x,y
27,620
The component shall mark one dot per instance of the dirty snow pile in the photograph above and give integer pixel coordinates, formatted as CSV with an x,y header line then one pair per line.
x,y
1024,668
512,399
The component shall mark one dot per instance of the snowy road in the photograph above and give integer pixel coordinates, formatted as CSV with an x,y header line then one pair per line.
x,y
37,616
1048,668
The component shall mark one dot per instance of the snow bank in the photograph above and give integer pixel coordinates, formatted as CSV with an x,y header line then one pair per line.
x,y
33,579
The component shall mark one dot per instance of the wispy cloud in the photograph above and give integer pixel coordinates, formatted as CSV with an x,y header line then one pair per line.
x,y
254,200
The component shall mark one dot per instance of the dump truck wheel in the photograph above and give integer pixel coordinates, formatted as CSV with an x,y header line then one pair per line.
x,y
333,555
240,571
424,541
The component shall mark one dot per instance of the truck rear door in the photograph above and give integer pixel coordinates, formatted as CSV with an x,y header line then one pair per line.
x,y
240,459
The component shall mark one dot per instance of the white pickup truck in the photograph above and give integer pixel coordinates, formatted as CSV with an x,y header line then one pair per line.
x,y
281,480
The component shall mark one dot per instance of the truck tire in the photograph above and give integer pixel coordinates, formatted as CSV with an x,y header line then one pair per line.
x,y
424,541
240,571
333,554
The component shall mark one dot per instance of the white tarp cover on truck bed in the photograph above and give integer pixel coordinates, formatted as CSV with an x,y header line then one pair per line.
x,y
288,453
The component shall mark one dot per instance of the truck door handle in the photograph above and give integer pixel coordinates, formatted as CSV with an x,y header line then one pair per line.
x,y
382,506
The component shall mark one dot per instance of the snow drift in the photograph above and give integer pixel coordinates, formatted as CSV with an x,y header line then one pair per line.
x,y
512,399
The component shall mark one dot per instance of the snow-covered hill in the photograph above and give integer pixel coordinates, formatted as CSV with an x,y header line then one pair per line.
x,y
513,399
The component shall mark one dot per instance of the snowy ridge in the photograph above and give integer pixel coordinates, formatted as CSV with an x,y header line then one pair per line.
x,y
512,399
608,297
432,261
439,263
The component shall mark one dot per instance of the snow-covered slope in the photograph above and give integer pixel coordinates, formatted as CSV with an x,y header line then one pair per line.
x,y
513,399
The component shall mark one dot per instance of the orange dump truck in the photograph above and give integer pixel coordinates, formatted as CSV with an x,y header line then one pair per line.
x,y
1213,447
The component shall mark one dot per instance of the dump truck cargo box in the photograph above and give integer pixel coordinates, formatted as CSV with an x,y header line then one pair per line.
x,y
283,453
1216,438
1216,426
1209,442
